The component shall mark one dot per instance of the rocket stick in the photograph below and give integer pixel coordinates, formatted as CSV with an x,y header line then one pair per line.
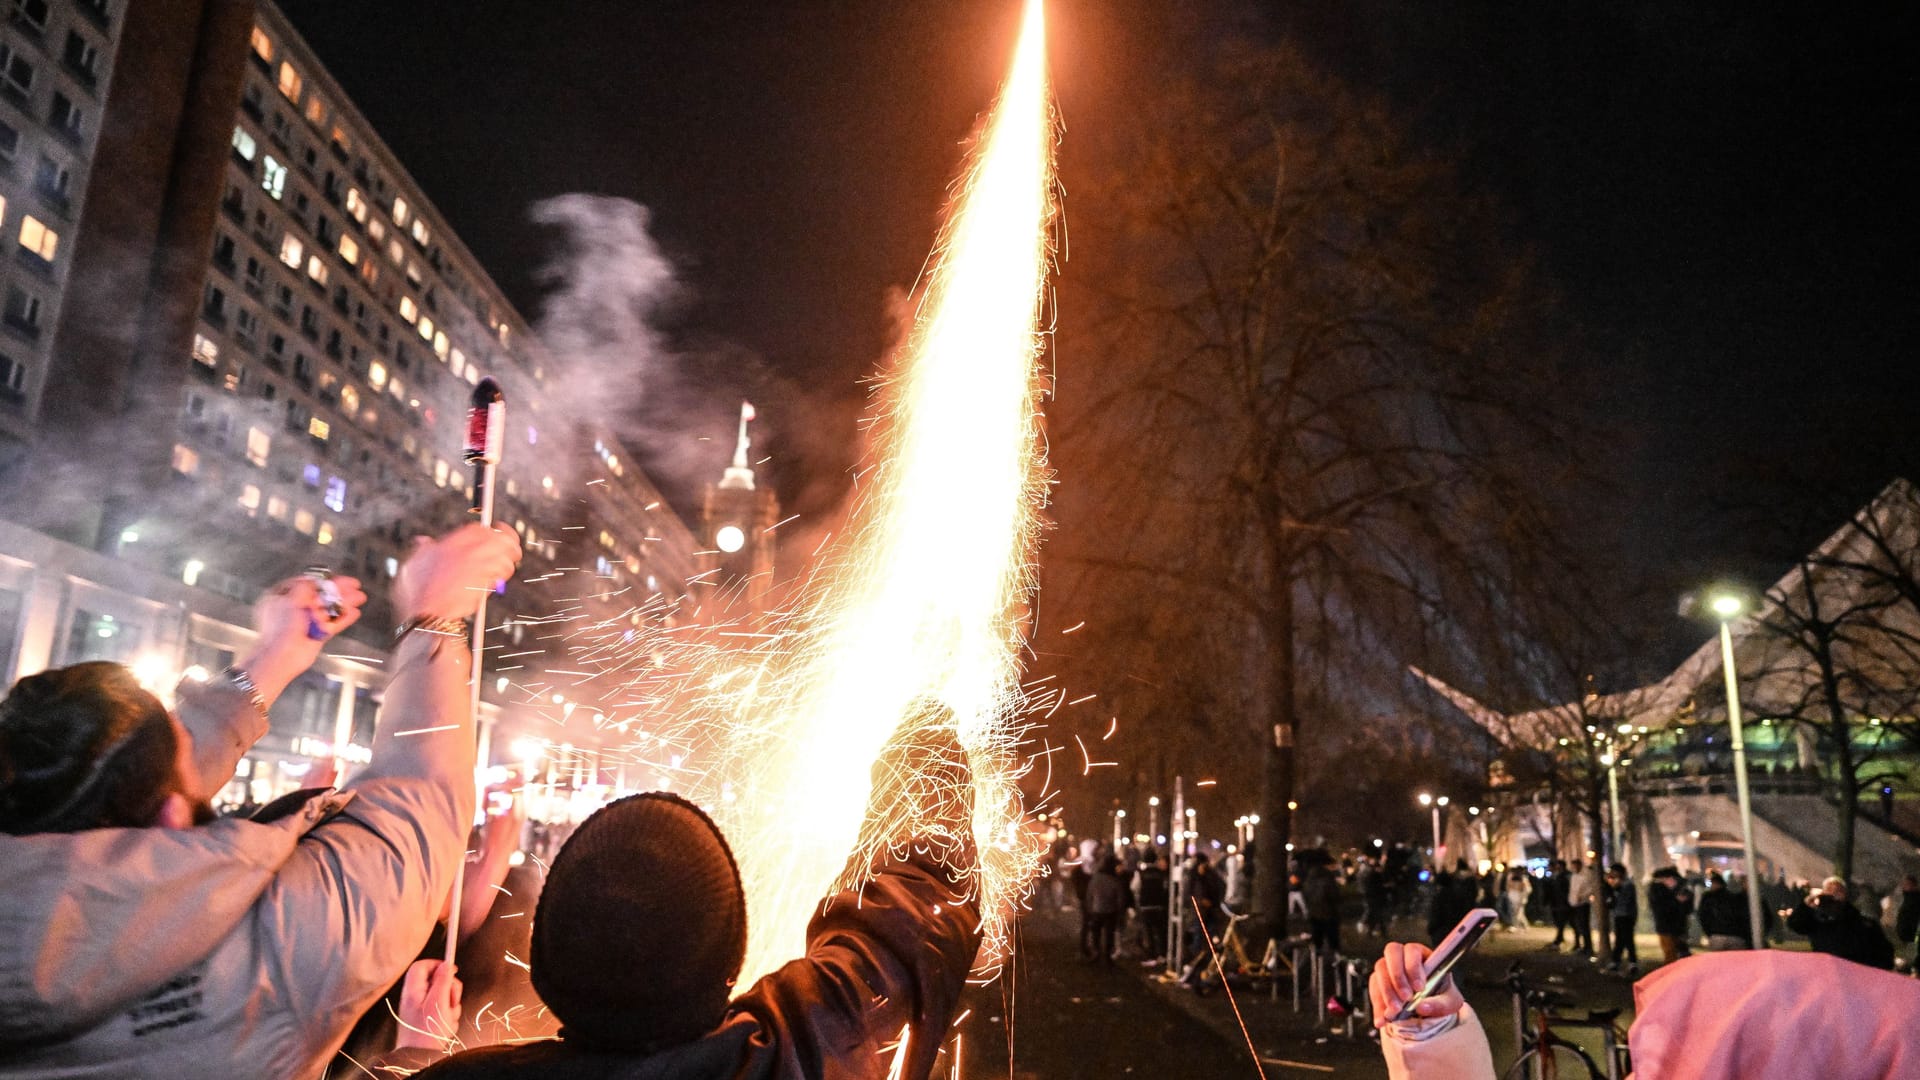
x,y
486,432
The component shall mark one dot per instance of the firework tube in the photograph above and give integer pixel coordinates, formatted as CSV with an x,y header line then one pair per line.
x,y
486,432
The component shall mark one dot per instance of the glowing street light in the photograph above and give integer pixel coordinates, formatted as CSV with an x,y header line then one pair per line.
x,y
1727,606
1439,849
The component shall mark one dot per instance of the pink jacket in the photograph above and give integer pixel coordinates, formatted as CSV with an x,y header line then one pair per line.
x,y
1731,1016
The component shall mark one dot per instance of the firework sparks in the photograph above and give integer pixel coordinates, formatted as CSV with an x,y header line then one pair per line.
x,y
923,594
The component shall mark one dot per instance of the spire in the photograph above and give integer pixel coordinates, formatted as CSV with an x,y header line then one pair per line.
x,y
739,476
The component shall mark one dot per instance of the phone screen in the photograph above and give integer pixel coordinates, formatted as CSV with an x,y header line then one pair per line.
x,y
1465,935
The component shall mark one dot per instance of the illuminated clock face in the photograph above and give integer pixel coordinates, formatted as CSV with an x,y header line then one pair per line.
x,y
730,539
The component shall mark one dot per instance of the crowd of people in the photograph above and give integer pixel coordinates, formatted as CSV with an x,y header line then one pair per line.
x,y
142,934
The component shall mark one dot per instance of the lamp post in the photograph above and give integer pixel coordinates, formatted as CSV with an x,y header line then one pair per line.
x,y
1614,843
1439,849
1727,607
1153,820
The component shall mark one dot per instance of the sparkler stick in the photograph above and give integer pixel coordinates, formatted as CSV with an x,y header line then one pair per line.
x,y
486,431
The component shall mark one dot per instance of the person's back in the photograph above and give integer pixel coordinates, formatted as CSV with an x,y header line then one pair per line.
x,y
1153,886
242,948
648,885
1106,894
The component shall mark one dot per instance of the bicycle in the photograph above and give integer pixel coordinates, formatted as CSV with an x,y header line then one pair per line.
x,y
1230,961
1544,1052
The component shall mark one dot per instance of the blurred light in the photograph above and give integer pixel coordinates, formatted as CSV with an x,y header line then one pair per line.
x,y
1442,800
1726,605
529,749
730,539
1154,801
190,573
1426,799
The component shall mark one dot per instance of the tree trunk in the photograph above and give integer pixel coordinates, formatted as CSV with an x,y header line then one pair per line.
x,y
1279,735
1602,849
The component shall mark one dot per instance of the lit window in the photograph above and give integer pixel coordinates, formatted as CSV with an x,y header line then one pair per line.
x,y
336,499
316,269
376,230
319,429
426,328
303,522
243,143
395,253
377,375
396,387
458,362
503,333
341,139
205,351
409,310
316,111
473,374
185,461
440,344
291,250
262,45
399,211
37,238
350,400
606,539
349,249
393,566
289,82
440,472
273,176
250,499
277,508
325,535
357,206
420,233
258,444
310,474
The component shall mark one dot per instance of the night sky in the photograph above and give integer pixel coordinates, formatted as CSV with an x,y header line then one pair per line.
x,y
1713,190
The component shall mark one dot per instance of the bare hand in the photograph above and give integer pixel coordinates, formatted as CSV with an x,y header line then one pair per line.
x,y
429,1005
448,577
1398,976
293,625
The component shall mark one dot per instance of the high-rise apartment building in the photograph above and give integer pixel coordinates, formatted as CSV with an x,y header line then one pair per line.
x,y
246,347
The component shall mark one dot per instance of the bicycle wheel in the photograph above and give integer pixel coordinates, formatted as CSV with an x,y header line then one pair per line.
x,y
1561,1061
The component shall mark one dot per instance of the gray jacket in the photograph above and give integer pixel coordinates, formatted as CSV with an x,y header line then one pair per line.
x,y
241,948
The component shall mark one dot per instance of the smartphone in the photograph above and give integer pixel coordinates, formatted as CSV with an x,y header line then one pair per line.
x,y
1465,935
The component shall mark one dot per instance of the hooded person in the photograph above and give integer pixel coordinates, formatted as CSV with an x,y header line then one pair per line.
x,y
641,931
138,938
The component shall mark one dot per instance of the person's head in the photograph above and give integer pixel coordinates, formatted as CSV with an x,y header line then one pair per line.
x,y
1201,865
86,747
1715,881
1669,875
1578,866
1112,865
642,927
1834,887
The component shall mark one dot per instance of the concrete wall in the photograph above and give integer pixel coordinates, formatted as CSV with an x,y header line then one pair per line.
x,y
1792,832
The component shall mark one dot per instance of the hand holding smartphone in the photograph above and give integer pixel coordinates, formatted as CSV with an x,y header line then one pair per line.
x,y
1460,941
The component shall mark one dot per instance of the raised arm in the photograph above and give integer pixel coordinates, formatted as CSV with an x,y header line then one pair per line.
x,y
357,901
223,719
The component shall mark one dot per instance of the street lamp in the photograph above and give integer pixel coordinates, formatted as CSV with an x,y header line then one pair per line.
x,y
1613,796
1153,818
1439,849
1726,607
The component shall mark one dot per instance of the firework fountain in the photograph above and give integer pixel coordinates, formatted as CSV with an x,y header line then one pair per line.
x,y
924,594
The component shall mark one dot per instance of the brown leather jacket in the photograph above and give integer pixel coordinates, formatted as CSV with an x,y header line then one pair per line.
x,y
240,948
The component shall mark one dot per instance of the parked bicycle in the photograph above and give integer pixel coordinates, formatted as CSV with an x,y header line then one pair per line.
x,y
1547,1055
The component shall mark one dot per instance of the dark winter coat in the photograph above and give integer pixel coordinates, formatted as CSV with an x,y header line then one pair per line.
x,y
1153,888
1906,924
1837,928
1322,894
1723,912
895,954
1558,888
1623,902
1670,905
1107,895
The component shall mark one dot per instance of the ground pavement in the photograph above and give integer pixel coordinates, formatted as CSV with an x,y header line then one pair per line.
x,y
1071,1019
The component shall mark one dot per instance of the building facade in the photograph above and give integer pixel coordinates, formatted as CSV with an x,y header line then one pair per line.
x,y
256,340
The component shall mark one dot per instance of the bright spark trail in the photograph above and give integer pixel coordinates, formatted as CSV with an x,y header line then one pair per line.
x,y
925,592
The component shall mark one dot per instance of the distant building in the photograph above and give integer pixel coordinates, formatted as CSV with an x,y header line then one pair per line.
x,y
737,519
1669,742
240,340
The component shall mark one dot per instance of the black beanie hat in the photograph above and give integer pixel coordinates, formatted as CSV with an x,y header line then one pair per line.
x,y
642,927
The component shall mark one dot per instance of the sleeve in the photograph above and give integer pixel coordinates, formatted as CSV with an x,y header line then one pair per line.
x,y
363,891
1800,920
224,725
1458,1052
892,956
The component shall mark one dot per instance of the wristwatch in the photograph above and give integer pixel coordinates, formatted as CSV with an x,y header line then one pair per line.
x,y
243,682
432,624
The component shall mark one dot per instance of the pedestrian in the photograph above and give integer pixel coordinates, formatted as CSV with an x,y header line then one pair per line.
x,y
140,943
1559,906
1833,925
1623,908
1375,897
1906,920
1519,890
1454,895
1150,885
1670,902
1583,887
1321,891
1207,893
642,929
1083,867
1107,903
1723,915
